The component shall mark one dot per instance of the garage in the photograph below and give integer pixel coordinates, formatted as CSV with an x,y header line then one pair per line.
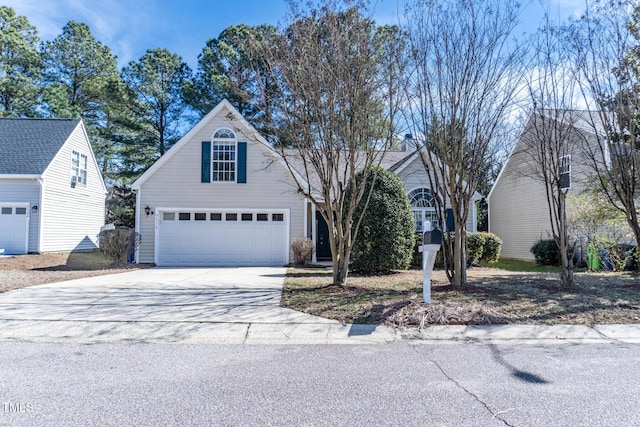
x,y
230,237
14,228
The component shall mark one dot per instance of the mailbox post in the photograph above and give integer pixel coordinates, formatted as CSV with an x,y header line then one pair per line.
x,y
431,242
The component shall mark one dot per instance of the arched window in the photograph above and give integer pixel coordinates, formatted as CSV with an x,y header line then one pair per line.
x,y
423,207
223,156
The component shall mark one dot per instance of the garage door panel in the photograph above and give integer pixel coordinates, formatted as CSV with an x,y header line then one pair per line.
x,y
14,234
222,242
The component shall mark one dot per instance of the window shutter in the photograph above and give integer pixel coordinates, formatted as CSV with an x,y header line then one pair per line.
x,y
451,226
242,162
206,162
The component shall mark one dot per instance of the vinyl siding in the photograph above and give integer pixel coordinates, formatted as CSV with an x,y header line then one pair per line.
x,y
177,184
518,208
72,217
24,191
414,176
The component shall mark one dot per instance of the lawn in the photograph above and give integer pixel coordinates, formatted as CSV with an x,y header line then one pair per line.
x,y
493,296
35,269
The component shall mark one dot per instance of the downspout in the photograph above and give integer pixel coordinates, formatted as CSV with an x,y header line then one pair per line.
x,y
40,214
314,232
137,224
306,218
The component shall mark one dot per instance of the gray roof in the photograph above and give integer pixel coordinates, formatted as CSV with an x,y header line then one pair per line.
x,y
391,160
27,146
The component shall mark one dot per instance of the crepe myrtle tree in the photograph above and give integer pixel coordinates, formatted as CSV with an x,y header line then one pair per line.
x,y
605,47
337,110
466,72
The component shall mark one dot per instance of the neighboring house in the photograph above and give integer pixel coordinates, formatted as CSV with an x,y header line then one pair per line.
x,y
52,196
518,207
222,196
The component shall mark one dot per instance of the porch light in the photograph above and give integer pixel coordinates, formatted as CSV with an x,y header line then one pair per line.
x,y
34,209
147,210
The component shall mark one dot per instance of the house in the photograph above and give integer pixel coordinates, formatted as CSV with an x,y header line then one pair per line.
x,y
52,196
518,207
222,196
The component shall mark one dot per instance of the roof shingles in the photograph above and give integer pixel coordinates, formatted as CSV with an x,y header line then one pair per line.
x,y
27,146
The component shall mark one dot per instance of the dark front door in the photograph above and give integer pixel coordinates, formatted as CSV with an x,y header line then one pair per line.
x,y
323,250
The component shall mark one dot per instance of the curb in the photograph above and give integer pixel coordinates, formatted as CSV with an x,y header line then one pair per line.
x,y
308,333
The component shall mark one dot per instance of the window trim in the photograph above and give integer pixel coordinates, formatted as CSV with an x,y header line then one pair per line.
x,y
79,166
422,210
217,141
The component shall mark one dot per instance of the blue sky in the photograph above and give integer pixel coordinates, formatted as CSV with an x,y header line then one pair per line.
x,y
130,27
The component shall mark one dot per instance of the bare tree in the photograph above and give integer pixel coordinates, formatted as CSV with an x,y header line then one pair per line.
x,y
603,43
550,144
337,112
463,88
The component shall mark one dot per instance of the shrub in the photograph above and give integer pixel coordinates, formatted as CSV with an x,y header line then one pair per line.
x,y
491,249
387,233
546,252
475,248
118,244
301,247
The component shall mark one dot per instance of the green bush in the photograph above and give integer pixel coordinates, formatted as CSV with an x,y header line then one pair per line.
x,y
491,249
475,248
387,232
546,252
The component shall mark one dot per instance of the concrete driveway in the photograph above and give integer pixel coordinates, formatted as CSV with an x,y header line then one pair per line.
x,y
174,304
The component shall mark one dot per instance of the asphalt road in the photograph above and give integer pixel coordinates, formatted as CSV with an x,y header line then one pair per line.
x,y
126,384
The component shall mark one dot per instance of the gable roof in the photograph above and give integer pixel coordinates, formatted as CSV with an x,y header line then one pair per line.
x,y
224,104
27,146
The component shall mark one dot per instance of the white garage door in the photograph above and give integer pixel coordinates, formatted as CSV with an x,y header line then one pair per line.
x,y
14,229
222,238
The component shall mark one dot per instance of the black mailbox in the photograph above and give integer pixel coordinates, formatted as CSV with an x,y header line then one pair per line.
x,y
433,237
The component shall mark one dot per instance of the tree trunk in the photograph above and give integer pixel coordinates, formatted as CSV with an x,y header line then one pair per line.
x,y
459,257
566,253
632,220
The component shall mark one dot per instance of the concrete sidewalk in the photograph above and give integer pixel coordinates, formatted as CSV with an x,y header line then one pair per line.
x,y
232,305
329,332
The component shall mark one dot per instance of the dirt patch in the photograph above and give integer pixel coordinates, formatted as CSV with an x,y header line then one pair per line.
x,y
29,270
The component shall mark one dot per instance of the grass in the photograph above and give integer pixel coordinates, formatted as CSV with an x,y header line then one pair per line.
x,y
523,266
492,296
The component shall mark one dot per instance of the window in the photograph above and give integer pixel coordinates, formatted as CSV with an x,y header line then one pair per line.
x,y
277,217
168,216
231,217
247,217
423,207
564,169
216,217
200,216
78,168
7,211
184,216
223,156
21,211
262,217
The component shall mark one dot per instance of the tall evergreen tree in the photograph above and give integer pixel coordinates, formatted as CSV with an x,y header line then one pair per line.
x,y
233,67
158,109
20,65
80,73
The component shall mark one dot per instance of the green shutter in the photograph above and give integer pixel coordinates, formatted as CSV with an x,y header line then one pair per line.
x,y
206,162
451,226
242,162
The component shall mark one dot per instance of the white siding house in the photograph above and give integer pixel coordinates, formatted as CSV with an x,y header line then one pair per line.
x,y
52,196
222,196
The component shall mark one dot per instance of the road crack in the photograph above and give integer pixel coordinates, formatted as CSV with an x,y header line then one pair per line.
x,y
469,392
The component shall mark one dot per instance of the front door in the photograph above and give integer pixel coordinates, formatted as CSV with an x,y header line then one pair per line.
x,y
323,249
